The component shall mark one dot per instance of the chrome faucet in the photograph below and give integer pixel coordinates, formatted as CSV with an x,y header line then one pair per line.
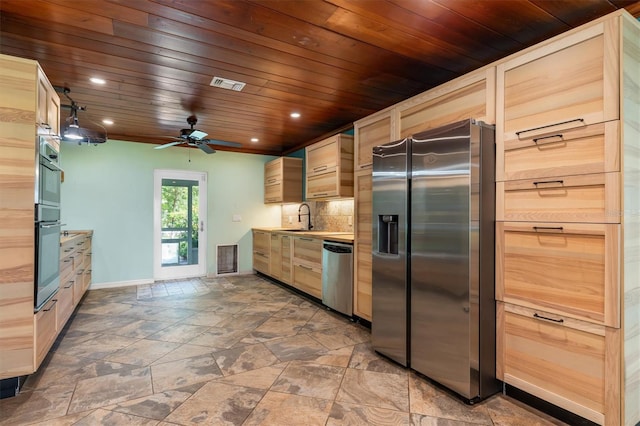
x,y
309,225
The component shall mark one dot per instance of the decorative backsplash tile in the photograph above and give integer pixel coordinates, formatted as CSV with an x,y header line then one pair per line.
x,y
325,215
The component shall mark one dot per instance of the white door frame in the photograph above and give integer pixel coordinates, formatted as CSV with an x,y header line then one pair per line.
x,y
183,271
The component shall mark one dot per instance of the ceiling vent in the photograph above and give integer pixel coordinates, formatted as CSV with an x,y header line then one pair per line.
x,y
225,83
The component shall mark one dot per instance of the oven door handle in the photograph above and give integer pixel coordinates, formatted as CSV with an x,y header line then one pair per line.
x,y
53,225
52,164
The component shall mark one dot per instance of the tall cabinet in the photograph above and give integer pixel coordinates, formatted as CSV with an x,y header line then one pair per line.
x,y
568,230
472,95
28,107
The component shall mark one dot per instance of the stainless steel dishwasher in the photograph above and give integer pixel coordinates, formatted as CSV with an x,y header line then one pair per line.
x,y
337,276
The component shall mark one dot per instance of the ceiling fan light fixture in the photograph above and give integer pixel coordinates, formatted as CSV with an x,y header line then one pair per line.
x,y
197,135
73,133
225,83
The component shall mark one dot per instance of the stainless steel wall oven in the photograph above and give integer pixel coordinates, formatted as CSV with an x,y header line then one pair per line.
x,y
47,223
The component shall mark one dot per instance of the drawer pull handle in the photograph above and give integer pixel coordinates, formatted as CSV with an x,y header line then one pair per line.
x,y
271,180
560,321
581,120
52,305
316,169
319,194
68,250
306,267
559,135
67,260
70,284
547,182
548,228
306,239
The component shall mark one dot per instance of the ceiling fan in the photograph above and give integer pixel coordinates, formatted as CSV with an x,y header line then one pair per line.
x,y
196,138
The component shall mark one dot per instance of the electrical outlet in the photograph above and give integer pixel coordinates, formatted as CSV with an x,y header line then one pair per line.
x,y
350,220
290,219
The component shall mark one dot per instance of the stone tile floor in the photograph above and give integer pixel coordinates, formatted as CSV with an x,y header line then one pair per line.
x,y
231,351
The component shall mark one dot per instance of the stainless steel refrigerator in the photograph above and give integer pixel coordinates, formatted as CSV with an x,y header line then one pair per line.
x,y
433,255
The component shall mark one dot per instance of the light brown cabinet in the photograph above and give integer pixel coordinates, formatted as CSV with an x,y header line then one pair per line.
x,y
374,130
20,80
48,107
283,180
469,96
362,290
329,168
46,330
307,265
261,251
275,256
567,193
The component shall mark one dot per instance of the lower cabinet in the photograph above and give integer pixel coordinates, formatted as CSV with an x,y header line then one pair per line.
x,y
261,251
571,363
307,265
45,330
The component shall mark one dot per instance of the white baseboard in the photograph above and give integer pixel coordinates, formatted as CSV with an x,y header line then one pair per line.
x,y
116,284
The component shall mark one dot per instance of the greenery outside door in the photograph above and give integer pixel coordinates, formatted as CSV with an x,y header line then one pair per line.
x,y
179,224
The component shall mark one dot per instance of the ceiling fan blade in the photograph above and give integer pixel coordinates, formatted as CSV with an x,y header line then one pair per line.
x,y
222,143
206,148
167,145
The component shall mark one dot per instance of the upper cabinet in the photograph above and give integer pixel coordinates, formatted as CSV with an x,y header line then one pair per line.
x,y
565,84
470,96
374,130
48,111
329,170
283,180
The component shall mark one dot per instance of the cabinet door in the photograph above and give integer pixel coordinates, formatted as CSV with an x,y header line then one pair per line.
x,y
273,171
273,193
323,185
308,279
285,244
582,198
567,362
585,150
363,212
275,256
470,96
569,83
65,304
262,241
45,329
371,131
323,156
307,250
562,268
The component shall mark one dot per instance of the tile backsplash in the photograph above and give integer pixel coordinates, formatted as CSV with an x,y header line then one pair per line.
x,y
325,215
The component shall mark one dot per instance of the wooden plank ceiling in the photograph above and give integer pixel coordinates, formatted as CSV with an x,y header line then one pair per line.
x,y
333,61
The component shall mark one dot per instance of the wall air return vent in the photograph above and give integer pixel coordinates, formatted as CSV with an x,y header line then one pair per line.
x,y
225,83
227,259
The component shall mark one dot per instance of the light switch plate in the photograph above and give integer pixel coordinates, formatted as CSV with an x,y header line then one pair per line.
x,y
237,218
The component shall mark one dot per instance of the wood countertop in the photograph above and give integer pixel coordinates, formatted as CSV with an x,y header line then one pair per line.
x,y
343,237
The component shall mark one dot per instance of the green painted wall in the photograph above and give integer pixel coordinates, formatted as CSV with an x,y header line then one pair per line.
x,y
109,189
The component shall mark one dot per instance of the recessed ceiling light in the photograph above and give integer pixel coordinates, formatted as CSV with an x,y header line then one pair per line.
x,y
295,115
254,140
107,121
97,80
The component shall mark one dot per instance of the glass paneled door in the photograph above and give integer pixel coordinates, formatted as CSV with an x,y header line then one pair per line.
x,y
180,211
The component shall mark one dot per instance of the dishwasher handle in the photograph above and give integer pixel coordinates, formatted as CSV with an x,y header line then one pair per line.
x,y
338,248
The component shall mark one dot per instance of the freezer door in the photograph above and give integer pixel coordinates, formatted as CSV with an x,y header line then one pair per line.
x,y
442,318
389,260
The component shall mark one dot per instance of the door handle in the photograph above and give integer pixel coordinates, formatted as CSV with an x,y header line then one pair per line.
x,y
202,226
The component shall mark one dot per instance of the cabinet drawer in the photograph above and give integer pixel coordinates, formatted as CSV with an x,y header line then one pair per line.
x,y
65,304
261,262
307,250
45,329
323,185
261,242
78,286
584,150
567,362
308,279
566,84
582,198
568,269
273,171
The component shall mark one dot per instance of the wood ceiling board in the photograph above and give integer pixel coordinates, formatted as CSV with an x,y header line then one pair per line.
x,y
158,57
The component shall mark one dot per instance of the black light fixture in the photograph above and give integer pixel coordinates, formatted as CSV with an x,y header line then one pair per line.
x,y
71,130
